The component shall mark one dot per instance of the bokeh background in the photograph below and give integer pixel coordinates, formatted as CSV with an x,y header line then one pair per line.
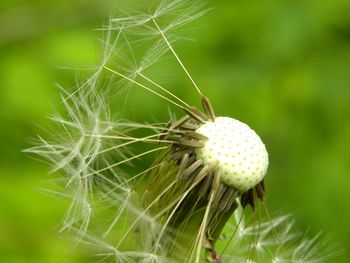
x,y
283,67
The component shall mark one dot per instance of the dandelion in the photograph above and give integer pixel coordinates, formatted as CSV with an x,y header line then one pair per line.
x,y
204,169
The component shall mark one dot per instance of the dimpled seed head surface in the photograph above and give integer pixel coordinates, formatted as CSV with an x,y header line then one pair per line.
x,y
238,152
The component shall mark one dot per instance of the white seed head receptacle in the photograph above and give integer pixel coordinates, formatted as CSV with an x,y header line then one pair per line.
x,y
236,150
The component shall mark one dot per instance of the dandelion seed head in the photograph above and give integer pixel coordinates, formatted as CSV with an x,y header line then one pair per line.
x,y
236,150
127,215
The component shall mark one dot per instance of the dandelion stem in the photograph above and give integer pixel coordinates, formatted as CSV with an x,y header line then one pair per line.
x,y
199,178
177,57
132,140
131,179
153,127
144,87
203,227
125,161
163,89
170,186
116,218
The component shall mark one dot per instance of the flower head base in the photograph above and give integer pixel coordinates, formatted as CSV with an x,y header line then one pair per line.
x,y
236,150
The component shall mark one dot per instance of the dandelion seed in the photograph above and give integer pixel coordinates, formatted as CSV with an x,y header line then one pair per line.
x,y
205,169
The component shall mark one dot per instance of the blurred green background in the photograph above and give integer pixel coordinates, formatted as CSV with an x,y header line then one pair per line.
x,y
283,67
